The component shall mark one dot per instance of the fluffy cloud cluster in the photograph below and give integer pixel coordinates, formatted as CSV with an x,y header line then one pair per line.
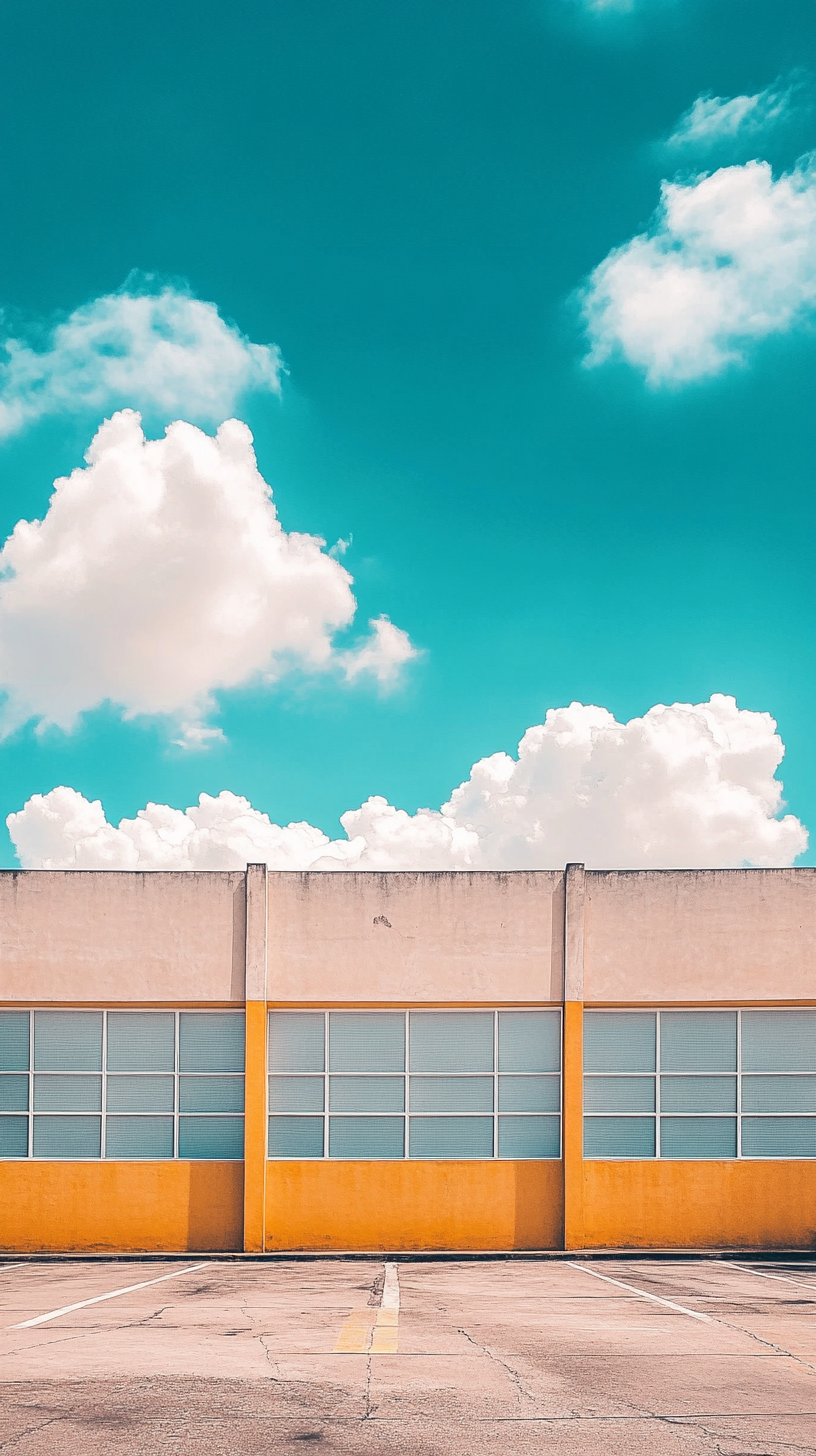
x,y
161,573
166,352
716,119
728,260
682,786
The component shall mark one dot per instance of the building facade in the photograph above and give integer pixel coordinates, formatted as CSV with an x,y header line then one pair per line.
x,y
348,1061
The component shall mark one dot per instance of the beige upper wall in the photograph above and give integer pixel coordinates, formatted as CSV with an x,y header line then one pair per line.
x,y
416,937
129,936
700,935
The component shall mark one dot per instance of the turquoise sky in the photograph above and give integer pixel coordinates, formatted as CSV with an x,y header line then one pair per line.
x,y
404,198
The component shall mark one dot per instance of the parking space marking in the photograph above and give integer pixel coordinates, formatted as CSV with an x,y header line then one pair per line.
x,y
760,1274
42,1319
644,1294
374,1331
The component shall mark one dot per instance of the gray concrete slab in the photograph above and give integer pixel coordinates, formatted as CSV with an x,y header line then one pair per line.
x,y
478,1358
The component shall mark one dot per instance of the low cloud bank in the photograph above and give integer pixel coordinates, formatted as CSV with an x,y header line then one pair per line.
x,y
685,785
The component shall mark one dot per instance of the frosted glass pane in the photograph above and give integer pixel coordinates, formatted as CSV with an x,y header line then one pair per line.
x,y
297,1041
211,1041
529,1137
67,1094
619,1041
619,1137
779,1137
140,1094
779,1041
529,1041
14,1035
68,1041
211,1094
14,1092
211,1137
451,1041
529,1094
452,1094
619,1094
451,1137
698,1137
366,1137
13,1137
366,1041
141,1041
67,1137
698,1041
139,1137
779,1094
296,1137
698,1094
367,1094
296,1094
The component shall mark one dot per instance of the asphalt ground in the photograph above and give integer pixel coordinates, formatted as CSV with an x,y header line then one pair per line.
x,y
683,1357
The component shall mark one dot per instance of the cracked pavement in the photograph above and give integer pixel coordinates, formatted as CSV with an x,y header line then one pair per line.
x,y
494,1359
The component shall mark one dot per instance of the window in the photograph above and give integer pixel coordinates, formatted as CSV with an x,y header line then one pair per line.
x,y
122,1084
415,1084
700,1084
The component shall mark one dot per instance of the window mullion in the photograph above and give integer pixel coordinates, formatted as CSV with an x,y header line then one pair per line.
x,y
104,1107
657,1084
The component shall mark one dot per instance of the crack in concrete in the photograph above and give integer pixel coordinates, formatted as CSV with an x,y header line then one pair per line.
x,y
514,1375
4,1446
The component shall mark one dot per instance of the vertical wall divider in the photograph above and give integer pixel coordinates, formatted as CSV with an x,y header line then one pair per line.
x,y
255,1076
573,1058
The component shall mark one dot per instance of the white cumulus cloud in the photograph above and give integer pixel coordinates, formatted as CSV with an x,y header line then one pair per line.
x,y
712,120
683,786
166,352
729,259
161,573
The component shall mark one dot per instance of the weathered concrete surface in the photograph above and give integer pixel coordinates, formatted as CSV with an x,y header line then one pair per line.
x,y
492,1358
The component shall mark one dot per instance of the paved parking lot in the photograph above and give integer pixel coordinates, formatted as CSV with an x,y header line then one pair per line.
x,y
434,1359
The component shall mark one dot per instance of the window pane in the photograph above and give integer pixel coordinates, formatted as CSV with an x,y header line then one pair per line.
x,y
366,1137
619,1094
211,1041
698,1137
139,1137
211,1137
296,1094
451,1041
140,1094
67,1094
698,1041
451,1137
14,1041
779,1137
141,1041
366,1041
14,1092
13,1137
529,1094
68,1041
367,1094
67,1137
296,1137
698,1094
529,1137
297,1041
619,1041
529,1041
619,1137
211,1094
452,1094
779,1094
779,1041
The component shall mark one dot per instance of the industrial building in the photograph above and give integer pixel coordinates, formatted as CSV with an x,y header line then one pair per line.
x,y
268,1061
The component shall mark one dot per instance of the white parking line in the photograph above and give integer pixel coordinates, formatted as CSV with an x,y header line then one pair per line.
x,y
391,1290
42,1319
19,1265
643,1294
760,1274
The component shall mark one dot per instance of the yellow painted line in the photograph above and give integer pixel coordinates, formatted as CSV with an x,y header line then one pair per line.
x,y
42,1319
373,1331
355,1336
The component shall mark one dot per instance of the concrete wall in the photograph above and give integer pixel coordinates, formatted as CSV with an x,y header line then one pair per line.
x,y
700,935
74,936
416,937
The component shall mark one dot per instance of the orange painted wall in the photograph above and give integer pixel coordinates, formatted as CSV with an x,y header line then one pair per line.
x,y
414,1205
86,1207
699,1205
